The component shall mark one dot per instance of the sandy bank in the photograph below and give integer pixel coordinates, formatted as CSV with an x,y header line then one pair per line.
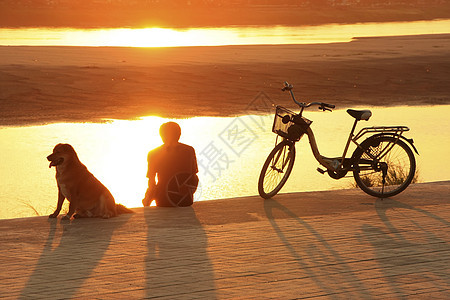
x,y
57,84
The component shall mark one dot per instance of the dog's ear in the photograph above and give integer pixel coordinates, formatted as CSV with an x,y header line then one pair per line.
x,y
69,148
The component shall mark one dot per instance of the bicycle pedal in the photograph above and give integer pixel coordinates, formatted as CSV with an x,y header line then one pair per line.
x,y
321,171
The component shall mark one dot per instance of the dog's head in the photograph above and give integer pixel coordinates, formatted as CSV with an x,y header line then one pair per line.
x,y
61,153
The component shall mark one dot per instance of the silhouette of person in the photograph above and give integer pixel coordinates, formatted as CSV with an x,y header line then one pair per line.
x,y
174,165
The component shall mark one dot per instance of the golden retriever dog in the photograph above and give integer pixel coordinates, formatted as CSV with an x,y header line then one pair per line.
x,y
88,197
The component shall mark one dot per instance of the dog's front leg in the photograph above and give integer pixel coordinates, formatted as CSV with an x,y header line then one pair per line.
x,y
70,212
59,205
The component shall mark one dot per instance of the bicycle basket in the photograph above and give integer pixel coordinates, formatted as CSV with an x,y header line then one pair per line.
x,y
289,125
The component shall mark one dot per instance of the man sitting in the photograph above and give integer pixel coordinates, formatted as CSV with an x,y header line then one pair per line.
x,y
175,166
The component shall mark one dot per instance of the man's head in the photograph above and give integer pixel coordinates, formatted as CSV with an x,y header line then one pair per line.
x,y
170,132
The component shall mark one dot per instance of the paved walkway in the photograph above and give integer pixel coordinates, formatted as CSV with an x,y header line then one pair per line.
x,y
331,245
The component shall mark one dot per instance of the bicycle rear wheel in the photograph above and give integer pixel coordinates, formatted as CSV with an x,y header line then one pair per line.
x,y
276,169
384,167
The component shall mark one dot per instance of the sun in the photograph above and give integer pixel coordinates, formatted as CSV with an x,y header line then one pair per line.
x,y
151,37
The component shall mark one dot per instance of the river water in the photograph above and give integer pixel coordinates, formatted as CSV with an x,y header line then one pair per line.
x,y
257,35
230,153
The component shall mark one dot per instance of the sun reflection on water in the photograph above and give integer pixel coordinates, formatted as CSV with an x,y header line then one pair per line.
x,y
250,35
116,153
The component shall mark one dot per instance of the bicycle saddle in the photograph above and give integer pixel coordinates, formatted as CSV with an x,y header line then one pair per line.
x,y
360,114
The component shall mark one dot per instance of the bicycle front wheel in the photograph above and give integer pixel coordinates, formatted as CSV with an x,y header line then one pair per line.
x,y
276,169
384,167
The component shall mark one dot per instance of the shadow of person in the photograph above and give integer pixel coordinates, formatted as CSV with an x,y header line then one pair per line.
x,y
63,267
177,262
313,253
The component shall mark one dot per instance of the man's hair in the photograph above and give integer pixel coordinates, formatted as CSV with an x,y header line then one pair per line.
x,y
170,132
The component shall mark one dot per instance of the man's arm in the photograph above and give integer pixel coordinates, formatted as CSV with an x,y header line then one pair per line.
x,y
150,193
194,162
151,175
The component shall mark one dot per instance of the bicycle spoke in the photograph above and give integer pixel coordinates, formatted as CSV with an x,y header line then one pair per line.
x,y
385,167
276,170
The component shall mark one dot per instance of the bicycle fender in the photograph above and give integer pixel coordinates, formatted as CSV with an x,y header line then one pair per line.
x,y
409,141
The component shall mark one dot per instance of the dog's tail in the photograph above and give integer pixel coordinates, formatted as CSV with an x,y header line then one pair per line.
x,y
120,209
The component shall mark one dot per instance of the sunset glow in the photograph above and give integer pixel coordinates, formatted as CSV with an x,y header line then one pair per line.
x,y
166,37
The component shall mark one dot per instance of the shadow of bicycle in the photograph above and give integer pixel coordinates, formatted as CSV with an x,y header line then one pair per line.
x,y
410,247
316,257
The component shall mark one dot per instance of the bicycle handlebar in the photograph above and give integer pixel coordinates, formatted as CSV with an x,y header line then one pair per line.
x,y
322,105
287,86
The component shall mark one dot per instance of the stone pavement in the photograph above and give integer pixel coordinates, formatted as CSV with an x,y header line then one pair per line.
x,y
330,245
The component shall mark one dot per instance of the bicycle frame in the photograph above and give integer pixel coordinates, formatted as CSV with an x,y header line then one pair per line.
x,y
334,164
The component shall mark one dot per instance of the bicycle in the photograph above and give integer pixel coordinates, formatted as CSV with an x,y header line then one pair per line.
x,y
383,164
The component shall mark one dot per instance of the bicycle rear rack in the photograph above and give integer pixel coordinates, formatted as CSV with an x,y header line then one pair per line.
x,y
381,129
